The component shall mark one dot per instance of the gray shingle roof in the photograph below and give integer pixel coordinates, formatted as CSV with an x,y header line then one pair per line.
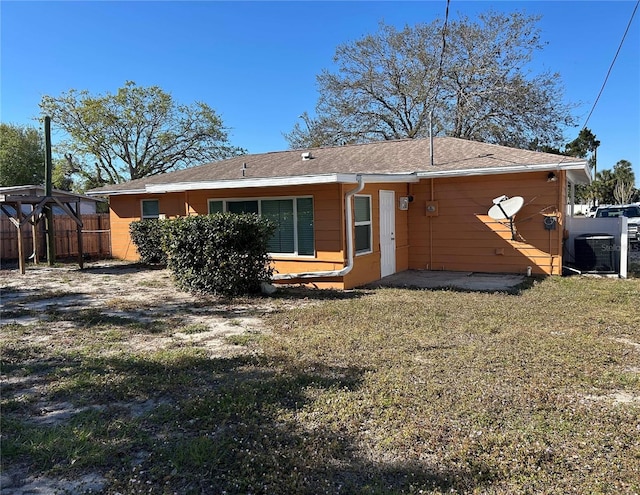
x,y
405,156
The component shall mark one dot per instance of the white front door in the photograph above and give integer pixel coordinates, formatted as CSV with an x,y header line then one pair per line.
x,y
387,233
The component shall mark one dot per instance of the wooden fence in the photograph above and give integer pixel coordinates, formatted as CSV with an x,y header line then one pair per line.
x,y
95,237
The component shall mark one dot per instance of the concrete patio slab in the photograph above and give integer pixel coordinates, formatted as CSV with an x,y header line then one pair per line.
x,y
472,281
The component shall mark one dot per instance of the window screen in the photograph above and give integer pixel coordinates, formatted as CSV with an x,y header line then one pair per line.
x,y
306,239
362,216
280,211
242,206
216,207
150,208
293,218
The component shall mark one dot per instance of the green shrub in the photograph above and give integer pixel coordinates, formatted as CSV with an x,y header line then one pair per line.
x,y
224,253
148,239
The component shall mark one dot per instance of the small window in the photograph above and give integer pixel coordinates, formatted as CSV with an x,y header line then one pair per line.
x,y
215,206
362,214
150,208
631,212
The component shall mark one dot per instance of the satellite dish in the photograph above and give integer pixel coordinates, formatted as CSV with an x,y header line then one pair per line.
x,y
505,208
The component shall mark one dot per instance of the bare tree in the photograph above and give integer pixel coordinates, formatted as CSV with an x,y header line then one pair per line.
x,y
475,84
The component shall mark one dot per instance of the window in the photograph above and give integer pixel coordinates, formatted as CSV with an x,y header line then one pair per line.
x,y
618,211
243,207
304,220
280,212
293,218
363,240
150,208
216,207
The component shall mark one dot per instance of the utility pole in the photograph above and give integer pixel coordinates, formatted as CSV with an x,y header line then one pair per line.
x,y
48,192
596,201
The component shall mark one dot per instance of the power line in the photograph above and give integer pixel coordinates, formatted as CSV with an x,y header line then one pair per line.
x,y
439,76
612,64
444,40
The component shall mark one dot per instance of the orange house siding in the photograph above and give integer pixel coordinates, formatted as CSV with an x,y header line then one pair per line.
x,y
460,236
328,220
366,267
128,208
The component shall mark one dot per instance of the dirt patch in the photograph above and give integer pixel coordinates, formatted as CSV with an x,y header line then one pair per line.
x,y
629,342
56,305
619,397
128,292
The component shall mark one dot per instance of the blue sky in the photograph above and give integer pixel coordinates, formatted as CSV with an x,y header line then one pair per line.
x,y
255,63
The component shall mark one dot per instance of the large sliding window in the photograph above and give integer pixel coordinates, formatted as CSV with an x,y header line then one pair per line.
x,y
364,239
293,218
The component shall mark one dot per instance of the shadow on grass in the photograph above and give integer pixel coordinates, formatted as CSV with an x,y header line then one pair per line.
x,y
182,422
515,290
293,293
121,268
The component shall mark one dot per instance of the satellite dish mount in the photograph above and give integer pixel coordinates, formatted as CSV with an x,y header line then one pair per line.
x,y
505,208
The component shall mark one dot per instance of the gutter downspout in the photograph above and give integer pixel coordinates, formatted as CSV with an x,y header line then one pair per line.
x,y
350,250
431,138
432,196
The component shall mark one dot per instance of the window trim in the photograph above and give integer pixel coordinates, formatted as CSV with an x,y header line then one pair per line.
x,y
149,217
361,223
293,199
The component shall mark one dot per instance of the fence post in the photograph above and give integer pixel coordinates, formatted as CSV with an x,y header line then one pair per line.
x,y
79,231
34,236
99,235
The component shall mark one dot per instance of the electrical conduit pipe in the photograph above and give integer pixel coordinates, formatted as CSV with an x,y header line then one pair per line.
x,y
350,249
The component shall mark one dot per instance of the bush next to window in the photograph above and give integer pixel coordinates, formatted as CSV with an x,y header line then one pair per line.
x,y
223,253
148,239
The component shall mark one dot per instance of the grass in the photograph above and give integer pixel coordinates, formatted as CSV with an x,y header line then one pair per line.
x,y
243,339
194,328
386,391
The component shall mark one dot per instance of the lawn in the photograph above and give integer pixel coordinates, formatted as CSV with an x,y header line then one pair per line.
x,y
363,392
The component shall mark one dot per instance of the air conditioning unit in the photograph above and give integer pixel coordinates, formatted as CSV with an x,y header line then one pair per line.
x,y
595,253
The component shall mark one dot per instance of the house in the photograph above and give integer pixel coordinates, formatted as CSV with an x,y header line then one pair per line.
x,y
353,214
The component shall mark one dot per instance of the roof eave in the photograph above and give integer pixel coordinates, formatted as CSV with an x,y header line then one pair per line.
x,y
248,182
577,167
114,192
